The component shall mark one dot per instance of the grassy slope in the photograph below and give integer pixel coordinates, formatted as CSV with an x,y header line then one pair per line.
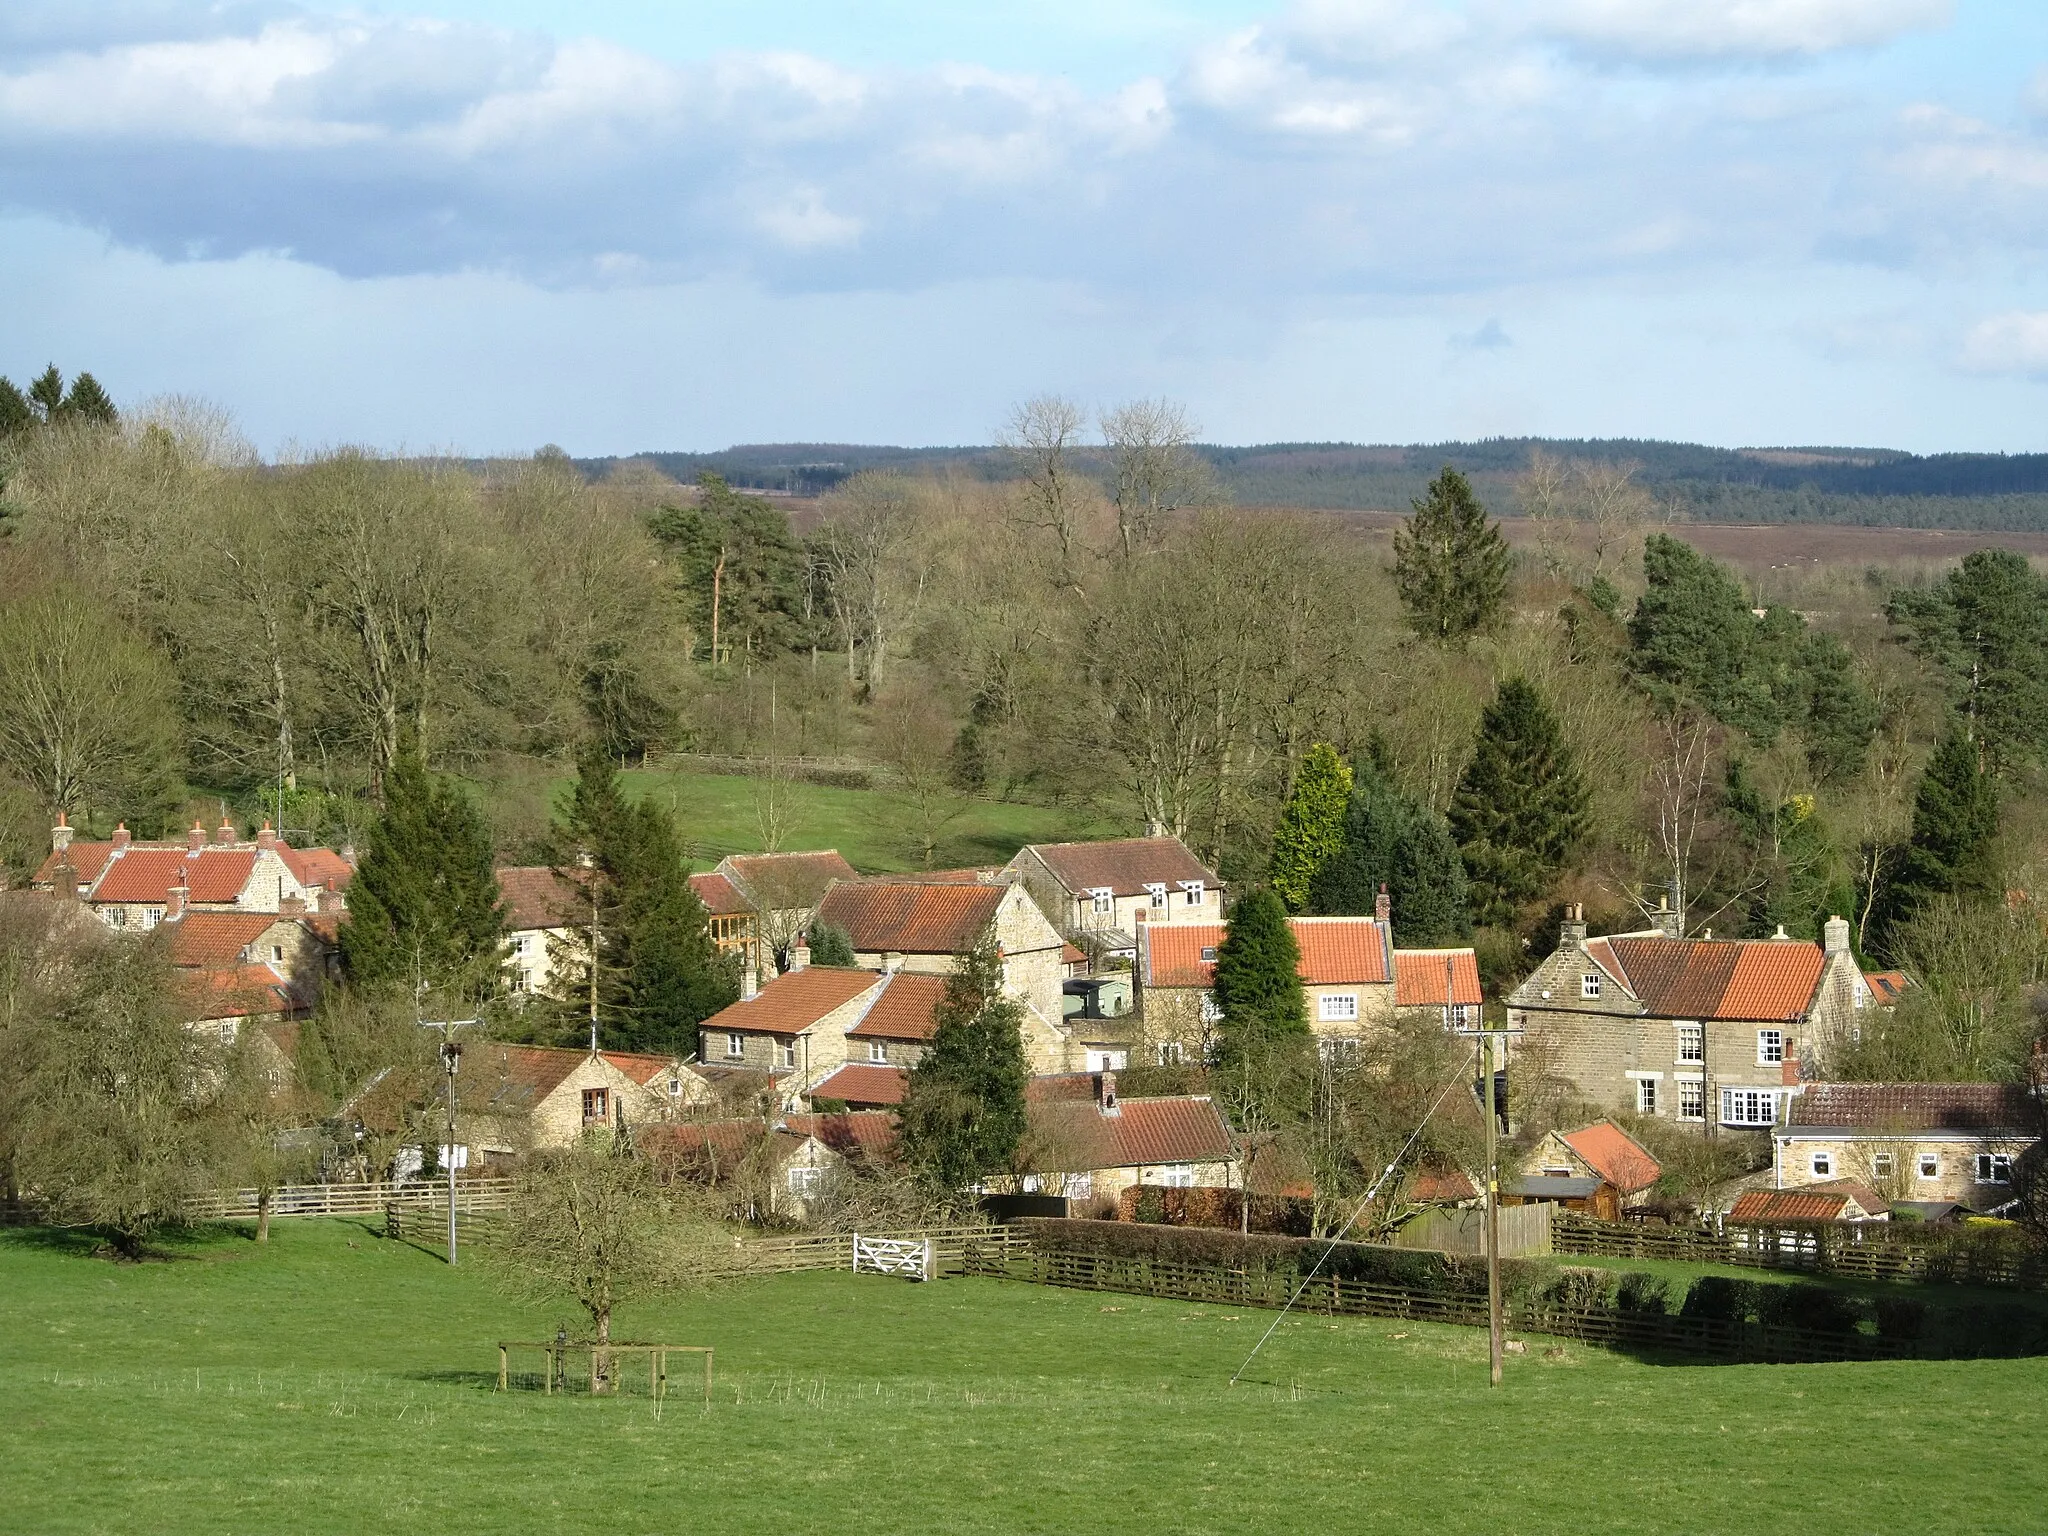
x,y
717,815
318,1386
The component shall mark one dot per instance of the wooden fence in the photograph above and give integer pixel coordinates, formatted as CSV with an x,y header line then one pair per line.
x,y
1858,1250
1524,1231
350,1199
1742,1342
951,1248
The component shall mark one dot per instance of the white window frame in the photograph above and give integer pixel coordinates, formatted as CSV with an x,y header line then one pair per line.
x,y
788,1053
735,1044
804,1182
1749,1107
1691,1043
1646,1096
522,943
1882,1164
117,917
520,982
1461,1015
1175,1176
1197,891
1927,1165
1589,985
1170,1053
1080,1186
1103,900
1337,1008
1994,1167
1156,891
878,1053
1822,1164
1770,1047
151,916
1694,1092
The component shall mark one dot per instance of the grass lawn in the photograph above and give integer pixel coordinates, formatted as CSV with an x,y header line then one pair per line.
x,y
872,827
335,1381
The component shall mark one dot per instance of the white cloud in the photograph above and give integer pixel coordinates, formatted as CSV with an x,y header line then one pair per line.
x,y
803,222
2015,342
1670,30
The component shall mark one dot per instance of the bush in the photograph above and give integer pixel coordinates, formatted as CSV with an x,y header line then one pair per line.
x,y
1643,1294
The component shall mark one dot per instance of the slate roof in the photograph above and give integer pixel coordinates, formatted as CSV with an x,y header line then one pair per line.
x,y
909,917
720,896
1615,1155
860,1084
904,1009
1124,865
536,896
1748,979
1964,1108
1549,1186
1334,951
794,1001
1074,1136
1419,977
785,880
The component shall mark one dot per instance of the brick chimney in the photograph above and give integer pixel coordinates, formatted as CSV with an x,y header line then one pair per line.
x,y
1383,906
330,899
1105,1093
60,834
175,900
1573,932
265,838
291,906
196,838
1835,936
120,836
225,832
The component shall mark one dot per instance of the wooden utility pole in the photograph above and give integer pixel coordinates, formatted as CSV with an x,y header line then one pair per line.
x,y
1483,1045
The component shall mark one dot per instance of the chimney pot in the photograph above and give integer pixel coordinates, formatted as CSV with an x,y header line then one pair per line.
x,y
225,832
1835,936
120,835
60,834
196,838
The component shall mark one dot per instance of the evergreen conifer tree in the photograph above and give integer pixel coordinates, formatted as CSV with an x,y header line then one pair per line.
x,y
423,907
1986,629
87,401
831,946
1520,807
1263,1040
1394,841
1955,825
1450,562
1311,825
963,1109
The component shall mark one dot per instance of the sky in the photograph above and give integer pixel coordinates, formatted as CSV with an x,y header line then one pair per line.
x,y
621,225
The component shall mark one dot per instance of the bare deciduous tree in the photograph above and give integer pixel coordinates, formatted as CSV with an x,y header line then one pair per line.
x,y
1154,468
1040,438
877,564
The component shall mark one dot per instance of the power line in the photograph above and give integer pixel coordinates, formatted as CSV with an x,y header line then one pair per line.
x,y
1330,1246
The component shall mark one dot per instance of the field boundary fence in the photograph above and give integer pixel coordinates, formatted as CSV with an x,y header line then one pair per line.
x,y
371,1199
1851,1250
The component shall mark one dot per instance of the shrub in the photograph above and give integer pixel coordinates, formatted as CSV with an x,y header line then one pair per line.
x,y
1641,1293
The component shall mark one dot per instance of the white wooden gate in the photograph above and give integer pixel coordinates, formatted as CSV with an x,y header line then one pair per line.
x,y
893,1256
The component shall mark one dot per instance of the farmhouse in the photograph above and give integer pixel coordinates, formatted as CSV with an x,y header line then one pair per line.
x,y
1926,1143
1650,1024
541,910
830,1033
782,891
133,886
1101,894
1092,1149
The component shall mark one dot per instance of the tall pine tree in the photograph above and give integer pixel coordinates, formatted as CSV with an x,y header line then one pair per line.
x,y
1955,828
423,908
1263,1038
1986,628
1450,562
963,1109
1520,807
1311,824
1397,842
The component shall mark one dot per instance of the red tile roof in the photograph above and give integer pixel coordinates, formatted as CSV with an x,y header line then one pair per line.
x,y
216,938
907,917
720,896
781,881
86,859
536,896
1886,986
1797,1205
1125,865
867,1135
1074,1136
214,874
1763,979
1073,954
1049,1086
1971,1108
1334,951
1615,1155
703,1146
316,867
794,1001
856,1084
236,992
1862,1194
642,1068
904,1009
1448,1184
1419,977
519,1076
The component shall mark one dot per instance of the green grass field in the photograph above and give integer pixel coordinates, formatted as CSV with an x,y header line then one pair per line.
x,y
718,815
336,1381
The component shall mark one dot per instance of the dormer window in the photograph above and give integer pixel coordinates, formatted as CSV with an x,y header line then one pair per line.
x,y
1195,890
1155,890
1104,900
1589,984
878,1052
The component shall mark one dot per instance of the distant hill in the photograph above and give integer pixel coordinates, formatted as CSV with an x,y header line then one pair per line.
x,y
1878,487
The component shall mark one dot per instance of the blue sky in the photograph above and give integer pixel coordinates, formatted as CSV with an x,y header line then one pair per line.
x,y
622,225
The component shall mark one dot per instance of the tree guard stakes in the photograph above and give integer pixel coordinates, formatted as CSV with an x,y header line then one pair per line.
x,y
556,1351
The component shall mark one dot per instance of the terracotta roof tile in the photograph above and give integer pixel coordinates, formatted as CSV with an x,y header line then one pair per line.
x,y
86,859
639,1066
216,938
236,992
316,867
1334,950
536,896
1765,1205
519,1076
214,874
905,1009
702,1146
1615,1155
1872,1202
862,1135
1124,865
1886,986
1419,977
1965,1107
858,1084
911,918
786,880
1047,1087
1437,1183
1074,1136
720,896
1721,979
794,1001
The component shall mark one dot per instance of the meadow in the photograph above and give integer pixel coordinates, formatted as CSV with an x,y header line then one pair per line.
x,y
334,1380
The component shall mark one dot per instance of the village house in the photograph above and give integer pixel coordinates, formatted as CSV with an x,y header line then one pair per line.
x,y
1089,1145
829,1033
541,909
1621,1168
1915,1144
767,1171
133,886
1101,894
1353,978
1649,1024
780,891
925,925
513,1099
